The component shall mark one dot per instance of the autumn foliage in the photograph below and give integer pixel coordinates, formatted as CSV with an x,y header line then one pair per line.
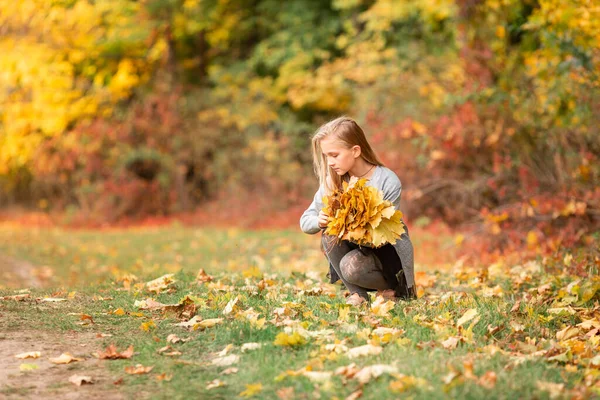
x,y
487,109
360,214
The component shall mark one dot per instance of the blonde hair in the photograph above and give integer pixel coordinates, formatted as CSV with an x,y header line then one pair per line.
x,y
347,131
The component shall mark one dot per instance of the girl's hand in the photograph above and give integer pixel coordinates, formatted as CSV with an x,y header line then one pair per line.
x,y
323,219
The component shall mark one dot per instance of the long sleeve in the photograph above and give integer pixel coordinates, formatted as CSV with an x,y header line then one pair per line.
x,y
392,189
309,222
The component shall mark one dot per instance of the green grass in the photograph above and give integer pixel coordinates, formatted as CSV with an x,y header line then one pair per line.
x,y
241,259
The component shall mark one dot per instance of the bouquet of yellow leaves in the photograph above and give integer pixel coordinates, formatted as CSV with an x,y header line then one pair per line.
x,y
360,214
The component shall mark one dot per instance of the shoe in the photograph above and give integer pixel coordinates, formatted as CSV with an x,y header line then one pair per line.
x,y
356,300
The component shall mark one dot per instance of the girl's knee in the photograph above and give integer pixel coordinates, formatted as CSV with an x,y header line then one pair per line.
x,y
350,267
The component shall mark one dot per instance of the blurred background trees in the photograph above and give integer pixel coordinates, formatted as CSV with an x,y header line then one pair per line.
x,y
487,109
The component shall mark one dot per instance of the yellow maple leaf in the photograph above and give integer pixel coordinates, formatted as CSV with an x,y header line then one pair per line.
x,y
251,390
293,340
360,214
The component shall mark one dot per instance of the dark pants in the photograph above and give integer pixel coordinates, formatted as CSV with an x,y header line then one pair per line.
x,y
362,269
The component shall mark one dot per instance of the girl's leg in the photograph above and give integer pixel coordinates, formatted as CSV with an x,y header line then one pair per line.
x,y
335,252
361,267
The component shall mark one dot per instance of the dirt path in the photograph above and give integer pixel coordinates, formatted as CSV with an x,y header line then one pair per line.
x,y
17,273
51,381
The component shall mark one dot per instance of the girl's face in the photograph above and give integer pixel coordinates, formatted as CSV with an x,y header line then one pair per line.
x,y
339,158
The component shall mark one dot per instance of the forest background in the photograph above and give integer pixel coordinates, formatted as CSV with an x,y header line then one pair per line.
x,y
488,110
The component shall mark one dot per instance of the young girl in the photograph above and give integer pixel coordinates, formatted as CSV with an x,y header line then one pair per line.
x,y
341,153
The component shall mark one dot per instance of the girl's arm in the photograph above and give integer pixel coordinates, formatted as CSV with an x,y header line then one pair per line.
x,y
309,221
392,189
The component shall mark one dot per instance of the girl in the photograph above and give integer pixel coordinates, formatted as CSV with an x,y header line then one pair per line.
x,y
341,153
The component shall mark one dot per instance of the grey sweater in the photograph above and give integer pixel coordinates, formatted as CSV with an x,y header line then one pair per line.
x,y
387,181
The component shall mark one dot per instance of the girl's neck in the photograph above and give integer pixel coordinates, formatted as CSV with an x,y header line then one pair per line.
x,y
362,169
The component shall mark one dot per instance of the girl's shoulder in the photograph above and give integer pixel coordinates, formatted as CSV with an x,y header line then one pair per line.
x,y
388,177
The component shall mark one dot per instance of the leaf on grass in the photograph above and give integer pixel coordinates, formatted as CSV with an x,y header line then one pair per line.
x,y
365,375
148,304
381,308
30,354
147,326
202,276
119,311
366,350
252,390
317,376
17,297
216,383
229,371
229,308
406,382
250,346
567,333
355,395
64,358
164,377
207,323
161,284
293,340
111,353
226,361
286,393
451,342
51,299
467,316
138,369
488,380
79,380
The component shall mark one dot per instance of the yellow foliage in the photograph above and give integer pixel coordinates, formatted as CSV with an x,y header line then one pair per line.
x,y
293,340
360,214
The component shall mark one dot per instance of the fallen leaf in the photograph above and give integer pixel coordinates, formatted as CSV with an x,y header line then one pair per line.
x,y
16,297
451,342
317,376
405,382
160,284
31,354
202,276
381,307
365,375
366,350
293,340
215,384
355,395
79,380
286,393
467,316
85,317
250,346
147,326
567,333
488,380
251,390
231,305
111,353
229,371
226,361
164,377
139,369
64,358
28,367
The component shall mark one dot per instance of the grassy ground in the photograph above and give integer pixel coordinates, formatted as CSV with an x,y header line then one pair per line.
x,y
503,332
